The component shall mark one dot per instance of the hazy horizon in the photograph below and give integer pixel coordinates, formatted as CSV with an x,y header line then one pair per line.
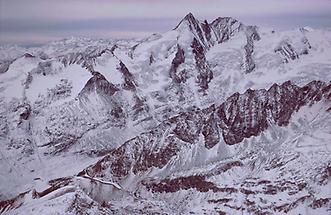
x,y
36,22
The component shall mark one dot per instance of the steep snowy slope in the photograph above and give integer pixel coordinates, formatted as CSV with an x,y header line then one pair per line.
x,y
276,169
219,116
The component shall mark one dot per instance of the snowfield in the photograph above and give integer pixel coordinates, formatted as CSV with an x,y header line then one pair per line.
x,y
207,118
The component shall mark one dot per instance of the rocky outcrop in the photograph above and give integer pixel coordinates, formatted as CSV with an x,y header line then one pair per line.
x,y
198,182
248,114
4,66
175,75
86,58
98,84
140,110
129,82
28,55
249,64
205,75
225,27
187,126
151,59
251,36
154,148
147,150
210,129
44,68
240,116
287,51
197,29
207,30
182,183
13,203
220,30
24,111
53,186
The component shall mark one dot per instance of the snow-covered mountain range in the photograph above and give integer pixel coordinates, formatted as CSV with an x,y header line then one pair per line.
x,y
208,118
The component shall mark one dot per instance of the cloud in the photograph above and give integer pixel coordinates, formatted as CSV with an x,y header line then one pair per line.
x,y
79,17
100,9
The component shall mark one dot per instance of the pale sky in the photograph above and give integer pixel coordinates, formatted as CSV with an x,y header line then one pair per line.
x,y
31,22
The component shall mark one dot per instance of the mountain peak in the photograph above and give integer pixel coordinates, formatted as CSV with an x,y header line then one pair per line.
x,y
99,84
225,19
189,16
189,19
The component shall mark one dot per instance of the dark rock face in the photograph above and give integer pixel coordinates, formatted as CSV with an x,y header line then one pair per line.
x,y
318,203
24,111
240,116
287,51
205,74
13,203
218,31
44,68
157,159
188,126
246,115
129,82
225,27
197,182
54,185
210,130
196,28
147,150
4,66
194,25
140,109
207,31
151,59
188,18
152,149
28,55
178,76
62,143
113,48
307,46
249,62
235,124
183,183
252,32
86,58
99,84
251,35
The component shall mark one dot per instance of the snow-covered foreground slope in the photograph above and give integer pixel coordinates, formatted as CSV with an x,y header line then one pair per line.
x,y
210,118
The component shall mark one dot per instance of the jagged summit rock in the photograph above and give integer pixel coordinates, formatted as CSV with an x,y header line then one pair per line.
x,y
225,27
98,84
129,82
189,20
219,31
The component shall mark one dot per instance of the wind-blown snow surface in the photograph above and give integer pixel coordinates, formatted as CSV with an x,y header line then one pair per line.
x,y
66,105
